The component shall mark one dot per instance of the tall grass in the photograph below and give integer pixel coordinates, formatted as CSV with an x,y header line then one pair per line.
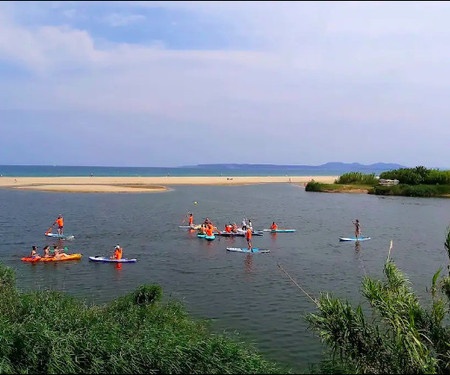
x,y
49,332
399,336
357,178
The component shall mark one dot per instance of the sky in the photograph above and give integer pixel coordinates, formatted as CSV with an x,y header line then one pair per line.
x,y
185,83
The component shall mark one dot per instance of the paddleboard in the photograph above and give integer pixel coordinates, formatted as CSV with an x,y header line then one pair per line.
x,y
240,250
107,260
201,235
210,238
239,234
60,236
354,238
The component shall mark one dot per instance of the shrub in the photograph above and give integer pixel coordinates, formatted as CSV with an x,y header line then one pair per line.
x,y
48,332
357,178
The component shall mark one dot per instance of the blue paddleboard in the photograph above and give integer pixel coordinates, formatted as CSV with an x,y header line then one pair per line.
x,y
240,250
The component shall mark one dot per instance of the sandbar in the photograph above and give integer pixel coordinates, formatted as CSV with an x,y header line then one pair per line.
x,y
143,184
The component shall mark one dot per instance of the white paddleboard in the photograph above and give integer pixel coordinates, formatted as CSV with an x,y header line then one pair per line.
x,y
354,238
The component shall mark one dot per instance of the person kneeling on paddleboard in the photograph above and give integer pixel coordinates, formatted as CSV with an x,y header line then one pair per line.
x,y
274,226
248,236
117,253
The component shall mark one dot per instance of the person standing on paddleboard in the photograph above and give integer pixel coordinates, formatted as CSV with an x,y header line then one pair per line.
x,y
60,222
357,228
244,224
248,236
191,220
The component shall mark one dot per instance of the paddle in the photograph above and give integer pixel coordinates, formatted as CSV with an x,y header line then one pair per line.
x,y
49,230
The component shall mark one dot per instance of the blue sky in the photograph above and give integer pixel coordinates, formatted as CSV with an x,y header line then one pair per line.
x,y
177,83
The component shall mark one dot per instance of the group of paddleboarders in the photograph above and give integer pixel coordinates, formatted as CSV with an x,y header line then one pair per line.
x,y
207,228
60,252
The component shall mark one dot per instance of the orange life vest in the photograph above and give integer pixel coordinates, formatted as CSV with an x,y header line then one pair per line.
x,y
118,253
248,235
60,222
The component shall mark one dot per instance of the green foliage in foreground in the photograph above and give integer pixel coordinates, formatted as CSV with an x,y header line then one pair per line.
x,y
418,175
49,332
357,178
399,337
412,190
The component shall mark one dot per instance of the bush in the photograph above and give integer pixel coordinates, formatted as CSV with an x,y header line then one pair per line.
x,y
357,178
418,175
313,186
48,332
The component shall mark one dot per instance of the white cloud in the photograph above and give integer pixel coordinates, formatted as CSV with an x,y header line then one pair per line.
x,y
317,71
117,19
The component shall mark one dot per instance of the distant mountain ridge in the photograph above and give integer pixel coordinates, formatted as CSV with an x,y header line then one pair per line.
x,y
331,166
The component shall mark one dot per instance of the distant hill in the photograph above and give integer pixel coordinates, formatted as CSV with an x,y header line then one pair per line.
x,y
337,167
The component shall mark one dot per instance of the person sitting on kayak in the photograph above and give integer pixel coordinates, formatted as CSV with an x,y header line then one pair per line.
x,y
60,222
34,253
234,228
47,252
59,254
117,253
228,228
248,236
244,224
274,226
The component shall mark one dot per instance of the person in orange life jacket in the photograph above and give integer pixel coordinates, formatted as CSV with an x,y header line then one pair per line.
x,y
209,230
228,228
117,252
248,236
274,226
191,220
60,222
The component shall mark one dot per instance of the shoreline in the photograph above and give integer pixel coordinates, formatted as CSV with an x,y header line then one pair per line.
x,y
143,184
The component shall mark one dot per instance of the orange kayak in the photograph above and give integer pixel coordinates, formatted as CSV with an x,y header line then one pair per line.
x,y
30,259
68,257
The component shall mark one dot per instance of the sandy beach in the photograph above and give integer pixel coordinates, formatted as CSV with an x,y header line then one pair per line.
x,y
142,184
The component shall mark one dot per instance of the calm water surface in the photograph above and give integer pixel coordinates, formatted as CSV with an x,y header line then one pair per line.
x,y
240,293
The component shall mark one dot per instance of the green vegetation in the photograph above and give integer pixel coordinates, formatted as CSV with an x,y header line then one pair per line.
x,y
357,178
418,176
414,182
348,182
49,332
399,336
412,190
